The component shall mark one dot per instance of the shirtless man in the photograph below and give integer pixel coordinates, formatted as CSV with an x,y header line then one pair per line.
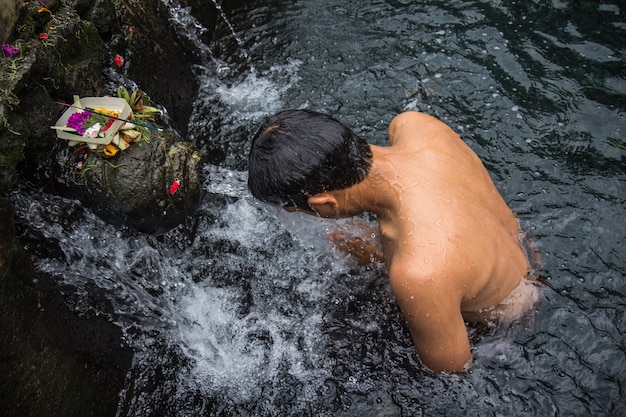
x,y
451,244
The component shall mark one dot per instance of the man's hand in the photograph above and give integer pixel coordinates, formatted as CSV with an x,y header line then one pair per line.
x,y
364,252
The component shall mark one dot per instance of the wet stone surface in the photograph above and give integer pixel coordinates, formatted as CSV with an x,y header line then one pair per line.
x,y
56,358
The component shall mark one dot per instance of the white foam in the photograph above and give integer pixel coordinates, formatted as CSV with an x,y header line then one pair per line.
x,y
238,344
236,354
224,181
259,94
239,332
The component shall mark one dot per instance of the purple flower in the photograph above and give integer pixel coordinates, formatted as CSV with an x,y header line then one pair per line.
x,y
77,120
9,50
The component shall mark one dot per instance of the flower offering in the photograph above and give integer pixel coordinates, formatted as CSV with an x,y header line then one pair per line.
x,y
92,123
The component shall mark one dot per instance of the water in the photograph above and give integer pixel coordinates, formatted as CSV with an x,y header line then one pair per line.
x,y
246,310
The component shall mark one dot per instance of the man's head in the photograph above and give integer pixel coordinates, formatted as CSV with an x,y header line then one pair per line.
x,y
297,154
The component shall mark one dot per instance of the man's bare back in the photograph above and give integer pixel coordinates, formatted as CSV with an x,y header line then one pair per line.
x,y
450,242
454,217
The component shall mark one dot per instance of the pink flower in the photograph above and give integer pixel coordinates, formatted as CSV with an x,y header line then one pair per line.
x,y
43,36
9,50
77,120
119,60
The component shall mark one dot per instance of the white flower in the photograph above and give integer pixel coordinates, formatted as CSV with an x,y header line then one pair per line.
x,y
93,131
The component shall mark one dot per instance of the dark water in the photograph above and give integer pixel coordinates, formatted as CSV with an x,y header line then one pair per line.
x,y
246,310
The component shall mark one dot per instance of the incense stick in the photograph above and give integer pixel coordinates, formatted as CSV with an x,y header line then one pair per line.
x,y
158,129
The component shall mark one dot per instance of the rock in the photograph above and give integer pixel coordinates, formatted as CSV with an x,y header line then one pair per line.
x,y
9,13
52,362
71,61
133,187
160,60
7,236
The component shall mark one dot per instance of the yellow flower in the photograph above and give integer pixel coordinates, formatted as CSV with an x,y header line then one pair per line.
x,y
110,150
112,113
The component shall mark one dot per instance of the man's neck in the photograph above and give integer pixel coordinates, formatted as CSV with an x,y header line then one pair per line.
x,y
376,193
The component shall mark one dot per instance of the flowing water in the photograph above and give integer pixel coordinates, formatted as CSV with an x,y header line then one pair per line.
x,y
246,310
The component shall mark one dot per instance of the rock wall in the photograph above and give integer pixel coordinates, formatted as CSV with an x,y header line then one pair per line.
x,y
53,362
9,13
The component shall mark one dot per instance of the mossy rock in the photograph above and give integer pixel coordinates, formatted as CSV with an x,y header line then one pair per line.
x,y
134,187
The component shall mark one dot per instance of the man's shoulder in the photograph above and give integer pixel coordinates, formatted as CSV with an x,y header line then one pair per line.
x,y
410,126
412,116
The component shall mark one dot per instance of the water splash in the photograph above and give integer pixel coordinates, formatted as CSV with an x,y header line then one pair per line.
x,y
239,41
224,181
259,94
189,28
226,108
239,310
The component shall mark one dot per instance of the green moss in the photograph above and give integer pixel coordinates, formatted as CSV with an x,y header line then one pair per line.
x,y
85,45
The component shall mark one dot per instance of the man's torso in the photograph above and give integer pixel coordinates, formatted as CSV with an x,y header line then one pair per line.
x,y
452,221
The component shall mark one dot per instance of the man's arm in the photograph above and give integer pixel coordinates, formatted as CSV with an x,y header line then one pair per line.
x,y
364,253
432,310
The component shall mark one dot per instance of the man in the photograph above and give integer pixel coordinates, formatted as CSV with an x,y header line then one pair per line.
x,y
451,244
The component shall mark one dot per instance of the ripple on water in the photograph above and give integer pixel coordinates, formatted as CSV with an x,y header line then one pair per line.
x,y
245,310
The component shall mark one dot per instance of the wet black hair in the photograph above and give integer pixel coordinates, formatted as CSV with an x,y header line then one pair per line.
x,y
296,154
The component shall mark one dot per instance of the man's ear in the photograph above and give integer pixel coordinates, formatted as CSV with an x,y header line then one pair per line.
x,y
322,200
